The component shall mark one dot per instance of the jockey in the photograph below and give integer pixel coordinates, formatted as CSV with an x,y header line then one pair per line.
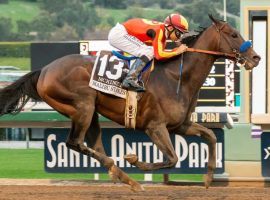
x,y
134,37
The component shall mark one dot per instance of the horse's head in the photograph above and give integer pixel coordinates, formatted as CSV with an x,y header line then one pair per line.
x,y
230,41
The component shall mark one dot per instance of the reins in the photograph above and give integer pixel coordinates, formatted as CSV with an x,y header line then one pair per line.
x,y
180,75
236,55
231,55
218,53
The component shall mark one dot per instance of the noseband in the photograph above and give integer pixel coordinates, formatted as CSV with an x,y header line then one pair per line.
x,y
235,55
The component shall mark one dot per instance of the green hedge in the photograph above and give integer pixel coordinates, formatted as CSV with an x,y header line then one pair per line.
x,y
15,49
3,1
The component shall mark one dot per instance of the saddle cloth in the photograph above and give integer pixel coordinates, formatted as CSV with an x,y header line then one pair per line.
x,y
108,74
110,70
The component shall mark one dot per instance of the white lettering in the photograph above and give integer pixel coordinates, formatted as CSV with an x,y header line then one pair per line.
x,y
118,144
85,161
52,163
147,150
204,154
157,155
193,155
180,142
62,155
140,151
219,156
267,151
94,162
74,158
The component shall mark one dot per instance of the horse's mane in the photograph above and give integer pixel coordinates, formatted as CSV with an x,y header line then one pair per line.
x,y
190,38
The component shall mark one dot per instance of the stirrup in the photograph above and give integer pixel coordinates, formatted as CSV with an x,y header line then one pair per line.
x,y
132,85
142,88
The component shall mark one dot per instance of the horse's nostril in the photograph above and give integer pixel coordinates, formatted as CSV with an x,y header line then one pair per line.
x,y
257,58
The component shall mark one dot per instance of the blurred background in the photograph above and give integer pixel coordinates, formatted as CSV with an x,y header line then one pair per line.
x,y
25,21
43,20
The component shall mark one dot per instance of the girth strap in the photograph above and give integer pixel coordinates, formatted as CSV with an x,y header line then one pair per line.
x,y
131,109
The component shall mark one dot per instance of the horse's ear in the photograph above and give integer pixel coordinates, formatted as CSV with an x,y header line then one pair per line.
x,y
213,19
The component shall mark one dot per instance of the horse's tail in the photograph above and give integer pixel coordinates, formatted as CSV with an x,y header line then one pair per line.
x,y
15,96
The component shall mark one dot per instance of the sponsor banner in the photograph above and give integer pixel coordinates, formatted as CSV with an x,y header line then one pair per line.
x,y
265,153
192,152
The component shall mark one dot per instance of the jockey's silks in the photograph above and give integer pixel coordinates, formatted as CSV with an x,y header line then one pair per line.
x,y
151,33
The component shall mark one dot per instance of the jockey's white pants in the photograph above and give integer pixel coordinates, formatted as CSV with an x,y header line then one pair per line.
x,y
119,38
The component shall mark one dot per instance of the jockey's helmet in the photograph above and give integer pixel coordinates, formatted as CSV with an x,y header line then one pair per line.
x,y
177,21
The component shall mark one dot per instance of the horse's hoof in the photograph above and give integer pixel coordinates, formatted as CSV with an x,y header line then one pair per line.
x,y
131,158
113,177
208,178
113,173
70,144
117,175
136,187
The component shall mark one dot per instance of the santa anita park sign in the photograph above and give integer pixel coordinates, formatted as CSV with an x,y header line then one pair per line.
x,y
192,152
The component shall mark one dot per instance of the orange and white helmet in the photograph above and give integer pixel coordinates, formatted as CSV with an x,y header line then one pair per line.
x,y
177,21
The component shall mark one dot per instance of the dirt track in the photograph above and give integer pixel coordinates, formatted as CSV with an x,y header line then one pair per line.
x,y
81,191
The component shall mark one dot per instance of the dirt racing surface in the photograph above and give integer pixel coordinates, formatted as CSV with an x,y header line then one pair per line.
x,y
80,191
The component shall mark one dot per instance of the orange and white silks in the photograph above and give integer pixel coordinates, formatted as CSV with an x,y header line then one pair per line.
x,y
151,33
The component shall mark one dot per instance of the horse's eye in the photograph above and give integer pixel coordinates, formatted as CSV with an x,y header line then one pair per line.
x,y
234,35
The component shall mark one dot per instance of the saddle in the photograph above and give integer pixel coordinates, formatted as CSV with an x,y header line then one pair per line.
x,y
110,69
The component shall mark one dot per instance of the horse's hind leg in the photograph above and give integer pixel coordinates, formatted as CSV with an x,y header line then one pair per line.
x,y
93,135
80,123
94,141
82,114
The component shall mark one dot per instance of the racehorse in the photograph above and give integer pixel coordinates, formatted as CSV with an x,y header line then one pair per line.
x,y
63,84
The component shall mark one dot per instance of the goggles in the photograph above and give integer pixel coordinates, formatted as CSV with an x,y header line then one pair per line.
x,y
178,33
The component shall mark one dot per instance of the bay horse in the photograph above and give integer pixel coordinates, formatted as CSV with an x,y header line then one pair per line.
x,y
63,84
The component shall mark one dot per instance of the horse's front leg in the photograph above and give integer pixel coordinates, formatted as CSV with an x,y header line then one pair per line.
x,y
160,137
197,129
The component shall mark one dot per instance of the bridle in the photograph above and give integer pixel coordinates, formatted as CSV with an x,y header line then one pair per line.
x,y
235,55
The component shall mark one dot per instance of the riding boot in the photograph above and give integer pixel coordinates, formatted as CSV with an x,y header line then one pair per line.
x,y
131,80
